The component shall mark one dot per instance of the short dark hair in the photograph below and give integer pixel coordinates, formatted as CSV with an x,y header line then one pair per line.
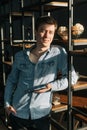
x,y
45,20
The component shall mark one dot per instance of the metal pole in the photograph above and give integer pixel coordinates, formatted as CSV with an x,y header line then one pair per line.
x,y
70,63
3,59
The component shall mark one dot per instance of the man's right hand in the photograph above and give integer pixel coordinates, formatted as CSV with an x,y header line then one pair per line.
x,y
10,109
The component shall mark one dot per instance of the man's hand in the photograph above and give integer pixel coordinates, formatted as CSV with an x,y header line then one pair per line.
x,y
10,109
48,87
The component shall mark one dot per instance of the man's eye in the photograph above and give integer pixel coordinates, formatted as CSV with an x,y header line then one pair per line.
x,y
51,32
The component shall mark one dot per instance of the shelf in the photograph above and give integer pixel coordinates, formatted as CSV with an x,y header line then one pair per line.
x,y
82,52
19,42
77,42
58,4
84,77
4,40
24,41
63,1
22,45
77,101
48,6
16,15
80,85
59,108
7,63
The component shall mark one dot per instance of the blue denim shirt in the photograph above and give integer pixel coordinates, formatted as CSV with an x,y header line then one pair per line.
x,y
26,76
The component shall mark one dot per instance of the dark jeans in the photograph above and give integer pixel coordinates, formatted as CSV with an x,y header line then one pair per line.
x,y
27,124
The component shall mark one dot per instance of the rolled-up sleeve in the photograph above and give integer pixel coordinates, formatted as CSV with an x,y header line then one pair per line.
x,y
61,83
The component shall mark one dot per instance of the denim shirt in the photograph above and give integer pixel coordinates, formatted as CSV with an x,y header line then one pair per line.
x,y
25,77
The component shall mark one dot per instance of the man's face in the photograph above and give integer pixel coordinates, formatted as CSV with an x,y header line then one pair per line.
x,y
45,35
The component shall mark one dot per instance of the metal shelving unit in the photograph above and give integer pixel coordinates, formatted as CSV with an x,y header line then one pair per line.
x,y
81,85
9,18
42,7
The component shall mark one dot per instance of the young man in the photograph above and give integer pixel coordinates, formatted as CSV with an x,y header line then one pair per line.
x,y
33,78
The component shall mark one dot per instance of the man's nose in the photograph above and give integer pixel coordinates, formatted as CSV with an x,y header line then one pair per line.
x,y
46,34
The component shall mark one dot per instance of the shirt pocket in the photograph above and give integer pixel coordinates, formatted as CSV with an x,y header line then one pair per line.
x,y
26,71
46,68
